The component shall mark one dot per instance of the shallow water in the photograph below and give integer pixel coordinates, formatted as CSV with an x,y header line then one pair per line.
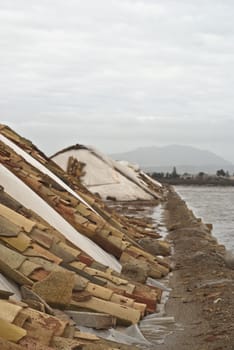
x,y
214,205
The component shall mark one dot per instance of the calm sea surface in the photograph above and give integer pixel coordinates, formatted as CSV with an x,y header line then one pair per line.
x,y
214,205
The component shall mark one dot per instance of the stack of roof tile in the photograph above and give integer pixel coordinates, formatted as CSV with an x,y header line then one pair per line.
x,y
98,205
78,214
51,274
55,271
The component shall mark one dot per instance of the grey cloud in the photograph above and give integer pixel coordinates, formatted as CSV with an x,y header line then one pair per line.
x,y
118,74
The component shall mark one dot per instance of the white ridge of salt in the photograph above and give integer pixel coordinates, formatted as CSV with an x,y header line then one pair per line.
x,y
102,177
22,193
155,182
42,168
124,167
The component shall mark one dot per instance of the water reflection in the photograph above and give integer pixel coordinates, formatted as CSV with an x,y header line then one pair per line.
x,y
214,205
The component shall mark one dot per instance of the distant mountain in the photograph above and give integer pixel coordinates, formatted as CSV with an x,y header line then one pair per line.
x,y
185,158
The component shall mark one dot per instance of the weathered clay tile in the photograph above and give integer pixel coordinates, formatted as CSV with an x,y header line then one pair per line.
x,y
20,243
124,313
79,219
81,274
59,343
14,275
46,264
28,294
6,345
16,218
80,296
75,252
65,252
7,228
11,332
92,319
86,259
28,267
47,321
99,291
37,250
20,319
32,344
8,201
41,334
39,275
85,336
8,311
5,294
11,258
42,238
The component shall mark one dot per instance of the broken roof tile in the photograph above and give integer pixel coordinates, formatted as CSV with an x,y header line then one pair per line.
x,y
20,319
28,267
10,257
32,344
37,251
6,345
11,332
14,275
16,218
20,243
8,310
124,313
8,228
47,321
37,332
41,237
62,250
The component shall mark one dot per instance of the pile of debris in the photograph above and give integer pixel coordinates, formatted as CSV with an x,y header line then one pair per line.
x,y
61,254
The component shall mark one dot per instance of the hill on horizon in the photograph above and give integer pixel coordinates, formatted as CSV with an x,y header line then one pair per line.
x,y
184,158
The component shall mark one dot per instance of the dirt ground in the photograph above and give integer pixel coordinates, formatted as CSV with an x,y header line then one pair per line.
x,y
202,297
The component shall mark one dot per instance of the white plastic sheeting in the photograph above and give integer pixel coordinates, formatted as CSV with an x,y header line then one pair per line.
x,y
128,336
152,282
22,193
158,216
42,168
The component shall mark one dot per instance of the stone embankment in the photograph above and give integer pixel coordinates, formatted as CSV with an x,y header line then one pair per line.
x,y
202,284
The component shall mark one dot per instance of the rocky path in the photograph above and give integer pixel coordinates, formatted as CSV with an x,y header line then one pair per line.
x,y
202,297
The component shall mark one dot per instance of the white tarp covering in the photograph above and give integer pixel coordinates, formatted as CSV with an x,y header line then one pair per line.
x,y
102,177
22,193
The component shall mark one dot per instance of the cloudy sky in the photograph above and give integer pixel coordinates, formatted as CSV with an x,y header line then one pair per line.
x,y
119,74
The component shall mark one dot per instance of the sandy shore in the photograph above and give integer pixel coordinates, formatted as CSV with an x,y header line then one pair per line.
x,y
202,297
